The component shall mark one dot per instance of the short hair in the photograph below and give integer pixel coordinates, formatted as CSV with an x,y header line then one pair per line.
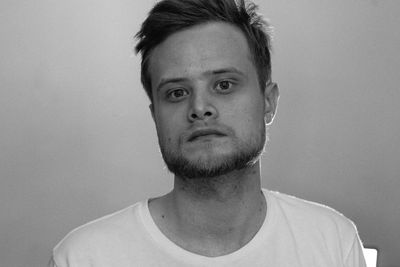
x,y
170,16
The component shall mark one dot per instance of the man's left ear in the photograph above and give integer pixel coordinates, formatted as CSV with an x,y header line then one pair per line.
x,y
271,97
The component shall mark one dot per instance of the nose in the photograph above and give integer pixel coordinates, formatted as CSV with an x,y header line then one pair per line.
x,y
201,108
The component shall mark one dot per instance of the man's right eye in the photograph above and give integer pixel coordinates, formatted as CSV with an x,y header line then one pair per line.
x,y
176,94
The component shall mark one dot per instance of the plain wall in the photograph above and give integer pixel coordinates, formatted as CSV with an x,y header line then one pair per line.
x,y
77,140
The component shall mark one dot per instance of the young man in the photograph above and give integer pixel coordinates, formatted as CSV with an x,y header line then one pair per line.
x,y
206,69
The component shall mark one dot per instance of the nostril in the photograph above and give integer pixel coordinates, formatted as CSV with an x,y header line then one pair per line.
x,y
201,115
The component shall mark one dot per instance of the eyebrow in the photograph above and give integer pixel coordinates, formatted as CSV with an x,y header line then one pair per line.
x,y
234,70
225,70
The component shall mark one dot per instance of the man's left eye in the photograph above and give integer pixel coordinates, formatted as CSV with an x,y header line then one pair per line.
x,y
224,86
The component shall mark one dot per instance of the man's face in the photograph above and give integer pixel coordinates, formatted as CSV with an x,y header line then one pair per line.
x,y
207,103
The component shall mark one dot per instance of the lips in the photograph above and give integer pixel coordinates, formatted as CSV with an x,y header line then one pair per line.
x,y
204,132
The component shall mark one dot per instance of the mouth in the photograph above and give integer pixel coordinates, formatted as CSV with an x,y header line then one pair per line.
x,y
205,133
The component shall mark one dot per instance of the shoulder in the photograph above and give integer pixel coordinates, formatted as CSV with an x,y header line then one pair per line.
x,y
91,237
315,227
311,214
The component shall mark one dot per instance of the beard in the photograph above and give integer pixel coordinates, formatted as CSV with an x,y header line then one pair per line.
x,y
244,154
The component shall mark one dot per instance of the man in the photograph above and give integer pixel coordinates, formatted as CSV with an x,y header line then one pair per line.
x,y
206,69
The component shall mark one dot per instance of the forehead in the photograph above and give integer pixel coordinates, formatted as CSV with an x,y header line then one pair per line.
x,y
198,49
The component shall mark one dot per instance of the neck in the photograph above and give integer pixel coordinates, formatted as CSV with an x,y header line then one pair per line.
x,y
228,190
212,216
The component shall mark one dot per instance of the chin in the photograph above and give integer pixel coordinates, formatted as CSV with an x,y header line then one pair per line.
x,y
208,165
208,153
211,159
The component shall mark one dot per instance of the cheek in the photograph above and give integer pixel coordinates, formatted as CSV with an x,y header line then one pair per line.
x,y
253,123
168,128
249,117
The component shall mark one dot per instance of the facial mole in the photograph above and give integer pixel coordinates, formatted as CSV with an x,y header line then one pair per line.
x,y
163,216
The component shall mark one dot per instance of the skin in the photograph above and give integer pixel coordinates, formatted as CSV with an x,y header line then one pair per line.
x,y
204,77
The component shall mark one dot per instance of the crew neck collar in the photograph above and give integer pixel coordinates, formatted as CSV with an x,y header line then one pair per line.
x,y
182,254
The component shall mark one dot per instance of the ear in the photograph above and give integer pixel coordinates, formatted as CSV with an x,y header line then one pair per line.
x,y
271,97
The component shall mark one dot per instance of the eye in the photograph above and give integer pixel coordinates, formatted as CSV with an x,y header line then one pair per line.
x,y
176,94
224,86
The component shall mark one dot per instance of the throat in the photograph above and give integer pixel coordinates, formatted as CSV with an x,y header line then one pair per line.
x,y
210,227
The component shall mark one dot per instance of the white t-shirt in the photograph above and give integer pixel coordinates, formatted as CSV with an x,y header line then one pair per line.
x,y
295,233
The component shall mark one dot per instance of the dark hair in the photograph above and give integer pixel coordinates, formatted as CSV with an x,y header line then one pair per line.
x,y
170,16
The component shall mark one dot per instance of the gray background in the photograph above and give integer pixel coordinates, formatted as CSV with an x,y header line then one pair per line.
x,y
77,140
